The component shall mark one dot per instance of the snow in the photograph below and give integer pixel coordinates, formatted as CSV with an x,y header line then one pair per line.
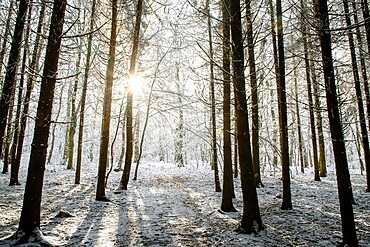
x,y
171,206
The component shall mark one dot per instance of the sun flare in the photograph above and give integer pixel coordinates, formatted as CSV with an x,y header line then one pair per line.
x,y
136,84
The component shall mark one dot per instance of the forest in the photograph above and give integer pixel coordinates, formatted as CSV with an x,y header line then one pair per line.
x,y
184,123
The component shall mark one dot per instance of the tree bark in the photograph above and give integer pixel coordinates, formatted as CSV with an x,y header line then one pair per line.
x,y
11,68
284,144
214,162
340,156
251,220
14,168
129,135
104,141
254,93
83,95
29,222
228,186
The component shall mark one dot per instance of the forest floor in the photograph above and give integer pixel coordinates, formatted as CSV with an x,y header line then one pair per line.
x,y
171,206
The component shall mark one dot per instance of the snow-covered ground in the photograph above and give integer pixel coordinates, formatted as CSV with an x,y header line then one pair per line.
x,y
171,206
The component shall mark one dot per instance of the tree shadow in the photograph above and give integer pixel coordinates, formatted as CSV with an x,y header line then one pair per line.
x,y
87,233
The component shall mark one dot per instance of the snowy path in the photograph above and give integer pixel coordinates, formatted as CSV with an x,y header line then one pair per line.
x,y
169,206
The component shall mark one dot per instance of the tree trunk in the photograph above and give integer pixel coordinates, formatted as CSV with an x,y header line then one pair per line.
x,y
129,135
340,156
360,105
6,35
23,121
251,220
214,162
11,68
284,145
73,125
104,141
83,95
29,224
299,128
14,168
276,67
137,136
228,186
254,93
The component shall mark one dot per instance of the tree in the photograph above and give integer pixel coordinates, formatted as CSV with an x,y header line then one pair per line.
x,y
251,219
14,166
16,161
29,223
356,77
214,163
11,68
254,93
284,144
84,93
129,132
6,34
340,156
228,186
104,140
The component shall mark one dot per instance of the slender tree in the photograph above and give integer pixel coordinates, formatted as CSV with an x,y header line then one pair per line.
x,y
251,219
29,223
83,95
360,105
11,68
129,132
6,34
340,156
284,144
254,93
214,163
104,141
228,187
16,161
14,168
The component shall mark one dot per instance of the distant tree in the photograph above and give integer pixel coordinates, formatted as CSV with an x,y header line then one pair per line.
x,y
251,219
254,94
6,34
11,68
307,60
340,156
14,167
16,160
29,223
228,190
214,162
287,197
356,78
129,126
107,105
84,93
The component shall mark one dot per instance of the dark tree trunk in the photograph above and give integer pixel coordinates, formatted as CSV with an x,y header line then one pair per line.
x,y
11,68
228,186
287,198
129,133
254,93
340,156
83,95
14,168
29,223
104,141
251,219
276,68
23,121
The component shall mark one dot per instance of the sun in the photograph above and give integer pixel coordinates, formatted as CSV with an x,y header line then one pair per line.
x,y
136,84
